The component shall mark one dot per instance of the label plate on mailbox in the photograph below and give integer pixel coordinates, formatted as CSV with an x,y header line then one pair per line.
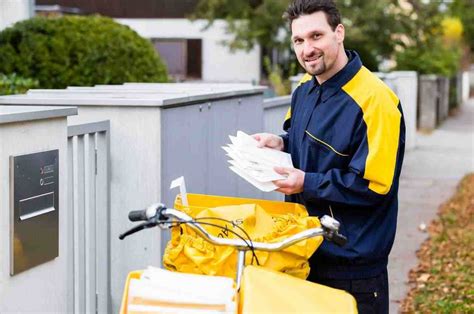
x,y
34,184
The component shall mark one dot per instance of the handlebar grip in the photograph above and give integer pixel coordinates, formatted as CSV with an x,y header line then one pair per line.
x,y
137,215
339,239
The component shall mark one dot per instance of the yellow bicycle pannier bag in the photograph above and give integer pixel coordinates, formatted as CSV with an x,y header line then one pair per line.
x,y
267,291
262,220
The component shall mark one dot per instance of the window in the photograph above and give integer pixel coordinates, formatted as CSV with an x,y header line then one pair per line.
x,y
183,57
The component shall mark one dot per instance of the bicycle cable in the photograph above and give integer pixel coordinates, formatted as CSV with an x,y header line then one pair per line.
x,y
250,246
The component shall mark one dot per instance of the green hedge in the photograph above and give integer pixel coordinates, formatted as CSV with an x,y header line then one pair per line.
x,y
14,84
81,51
430,58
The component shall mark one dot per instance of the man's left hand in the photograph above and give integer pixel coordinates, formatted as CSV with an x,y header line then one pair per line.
x,y
291,185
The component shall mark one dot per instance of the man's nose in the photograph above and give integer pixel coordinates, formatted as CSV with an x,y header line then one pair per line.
x,y
308,48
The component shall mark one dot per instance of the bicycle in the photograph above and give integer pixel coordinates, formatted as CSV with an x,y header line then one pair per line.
x,y
311,296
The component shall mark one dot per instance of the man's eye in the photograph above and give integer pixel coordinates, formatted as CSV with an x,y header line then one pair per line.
x,y
316,36
297,41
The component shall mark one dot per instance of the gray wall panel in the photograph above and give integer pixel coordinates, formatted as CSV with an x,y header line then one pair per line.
x,y
274,118
184,149
192,147
250,120
274,115
222,122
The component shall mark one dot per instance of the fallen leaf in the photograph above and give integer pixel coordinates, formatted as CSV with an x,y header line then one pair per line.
x,y
422,227
423,278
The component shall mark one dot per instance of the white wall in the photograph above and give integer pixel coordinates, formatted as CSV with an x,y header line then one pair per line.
x,y
12,11
44,288
219,63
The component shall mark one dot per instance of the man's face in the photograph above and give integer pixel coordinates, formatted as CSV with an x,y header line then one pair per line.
x,y
316,45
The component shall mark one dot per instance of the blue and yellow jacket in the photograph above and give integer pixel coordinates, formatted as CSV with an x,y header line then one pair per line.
x,y
348,135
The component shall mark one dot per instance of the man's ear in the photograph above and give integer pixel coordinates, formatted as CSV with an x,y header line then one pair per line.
x,y
340,33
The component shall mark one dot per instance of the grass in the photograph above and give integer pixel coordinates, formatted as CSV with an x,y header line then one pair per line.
x,y
443,282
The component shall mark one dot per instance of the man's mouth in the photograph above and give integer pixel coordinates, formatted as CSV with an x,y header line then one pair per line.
x,y
313,59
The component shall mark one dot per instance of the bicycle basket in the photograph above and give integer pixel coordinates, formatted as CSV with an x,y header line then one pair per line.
x,y
263,220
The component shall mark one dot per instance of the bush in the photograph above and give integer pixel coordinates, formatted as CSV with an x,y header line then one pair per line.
x,y
430,58
14,84
81,51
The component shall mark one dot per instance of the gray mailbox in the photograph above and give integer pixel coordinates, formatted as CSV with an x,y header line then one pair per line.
x,y
34,209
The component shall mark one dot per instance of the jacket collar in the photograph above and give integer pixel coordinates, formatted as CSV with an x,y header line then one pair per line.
x,y
336,82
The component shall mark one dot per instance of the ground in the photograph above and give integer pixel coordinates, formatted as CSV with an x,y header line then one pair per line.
x,y
443,281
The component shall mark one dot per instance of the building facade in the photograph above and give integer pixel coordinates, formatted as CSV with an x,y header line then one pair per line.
x,y
12,11
190,50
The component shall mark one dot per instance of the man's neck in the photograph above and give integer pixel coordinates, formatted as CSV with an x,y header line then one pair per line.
x,y
340,63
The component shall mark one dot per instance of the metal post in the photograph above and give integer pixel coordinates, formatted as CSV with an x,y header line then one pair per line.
x,y
240,267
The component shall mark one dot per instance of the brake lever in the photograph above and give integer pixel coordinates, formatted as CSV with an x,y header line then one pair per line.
x,y
145,225
339,239
331,228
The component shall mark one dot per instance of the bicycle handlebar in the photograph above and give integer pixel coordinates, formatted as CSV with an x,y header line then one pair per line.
x,y
158,215
137,215
147,213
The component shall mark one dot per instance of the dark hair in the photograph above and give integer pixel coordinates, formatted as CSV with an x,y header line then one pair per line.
x,y
304,7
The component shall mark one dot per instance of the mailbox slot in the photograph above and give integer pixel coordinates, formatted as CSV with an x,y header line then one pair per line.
x,y
34,183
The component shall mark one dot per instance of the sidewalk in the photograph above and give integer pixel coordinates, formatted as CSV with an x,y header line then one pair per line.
x,y
429,177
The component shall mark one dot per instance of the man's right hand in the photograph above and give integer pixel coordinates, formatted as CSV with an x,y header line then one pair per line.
x,y
269,140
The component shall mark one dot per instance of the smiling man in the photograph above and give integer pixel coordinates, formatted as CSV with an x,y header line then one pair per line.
x,y
346,135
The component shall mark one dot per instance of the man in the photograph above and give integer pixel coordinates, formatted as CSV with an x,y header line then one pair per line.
x,y
346,135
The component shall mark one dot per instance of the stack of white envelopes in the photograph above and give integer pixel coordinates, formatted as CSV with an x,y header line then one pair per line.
x,y
160,291
255,164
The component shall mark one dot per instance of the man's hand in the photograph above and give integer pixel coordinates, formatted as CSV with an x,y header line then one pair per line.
x,y
269,140
291,185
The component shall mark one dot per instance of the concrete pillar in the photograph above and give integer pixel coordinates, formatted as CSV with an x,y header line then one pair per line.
x,y
443,99
389,79
428,95
47,286
465,87
406,87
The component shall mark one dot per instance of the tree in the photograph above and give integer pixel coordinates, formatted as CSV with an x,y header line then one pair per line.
x,y
250,21
370,28
370,25
425,49
464,9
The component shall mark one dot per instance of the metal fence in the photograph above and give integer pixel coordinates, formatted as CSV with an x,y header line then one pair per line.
x,y
89,203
